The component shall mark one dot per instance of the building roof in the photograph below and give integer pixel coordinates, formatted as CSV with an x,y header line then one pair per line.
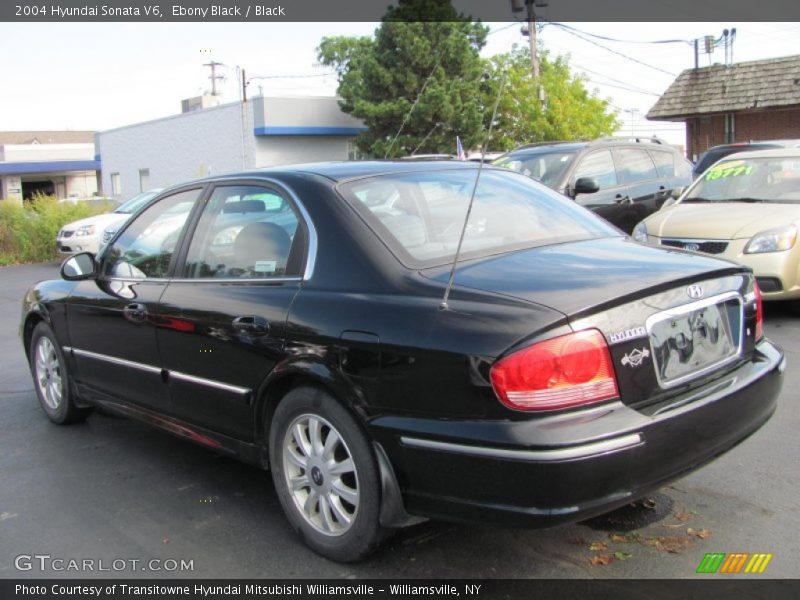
x,y
756,84
46,137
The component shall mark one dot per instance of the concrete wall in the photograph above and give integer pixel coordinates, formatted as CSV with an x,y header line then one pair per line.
x,y
178,148
46,152
704,132
272,150
316,112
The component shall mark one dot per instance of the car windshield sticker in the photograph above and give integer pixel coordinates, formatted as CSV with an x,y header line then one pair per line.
x,y
265,266
635,358
734,168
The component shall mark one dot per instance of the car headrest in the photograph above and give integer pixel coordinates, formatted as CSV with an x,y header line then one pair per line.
x,y
262,249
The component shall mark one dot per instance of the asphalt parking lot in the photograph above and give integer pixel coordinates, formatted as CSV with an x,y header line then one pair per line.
x,y
114,489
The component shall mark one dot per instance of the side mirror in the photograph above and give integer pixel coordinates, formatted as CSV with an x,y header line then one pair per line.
x,y
676,192
79,266
586,185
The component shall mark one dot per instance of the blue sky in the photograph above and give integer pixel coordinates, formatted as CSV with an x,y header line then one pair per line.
x,y
104,75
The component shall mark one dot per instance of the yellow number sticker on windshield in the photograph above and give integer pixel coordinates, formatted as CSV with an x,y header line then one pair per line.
x,y
729,169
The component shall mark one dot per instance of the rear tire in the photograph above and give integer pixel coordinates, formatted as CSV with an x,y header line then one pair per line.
x,y
325,475
51,378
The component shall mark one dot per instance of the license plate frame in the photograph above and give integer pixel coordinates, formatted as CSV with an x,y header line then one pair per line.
x,y
698,323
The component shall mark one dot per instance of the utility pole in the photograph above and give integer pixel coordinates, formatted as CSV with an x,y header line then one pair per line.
x,y
214,77
529,6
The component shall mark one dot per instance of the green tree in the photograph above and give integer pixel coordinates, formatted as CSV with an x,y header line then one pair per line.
x,y
566,111
423,52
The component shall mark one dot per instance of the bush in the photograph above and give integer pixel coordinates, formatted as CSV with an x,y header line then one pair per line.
x,y
28,233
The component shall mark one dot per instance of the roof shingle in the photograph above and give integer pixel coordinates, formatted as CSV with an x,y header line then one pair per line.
x,y
757,84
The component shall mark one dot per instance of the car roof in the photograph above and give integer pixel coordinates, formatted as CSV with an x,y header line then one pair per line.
x,y
771,153
787,143
544,147
341,171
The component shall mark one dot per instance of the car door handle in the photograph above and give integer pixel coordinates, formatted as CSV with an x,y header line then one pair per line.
x,y
251,325
620,199
135,312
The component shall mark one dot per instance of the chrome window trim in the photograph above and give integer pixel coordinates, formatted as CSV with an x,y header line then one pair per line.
x,y
679,311
559,454
313,243
155,370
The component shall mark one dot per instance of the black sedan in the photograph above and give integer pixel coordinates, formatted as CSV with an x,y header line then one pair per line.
x,y
310,320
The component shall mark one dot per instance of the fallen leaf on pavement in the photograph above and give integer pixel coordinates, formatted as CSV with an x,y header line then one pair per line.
x,y
619,538
596,546
683,515
602,560
669,543
701,533
622,555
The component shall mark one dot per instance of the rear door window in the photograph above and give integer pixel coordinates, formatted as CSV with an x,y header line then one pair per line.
x,y
600,166
665,163
634,165
245,231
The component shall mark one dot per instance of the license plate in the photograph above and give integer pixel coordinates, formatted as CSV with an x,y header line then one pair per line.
x,y
695,339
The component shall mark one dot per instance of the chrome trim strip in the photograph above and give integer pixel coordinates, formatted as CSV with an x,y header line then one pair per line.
x,y
584,451
236,280
114,360
155,370
679,311
209,383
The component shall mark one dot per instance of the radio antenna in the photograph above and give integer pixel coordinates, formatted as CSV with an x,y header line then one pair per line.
x,y
443,305
413,106
425,139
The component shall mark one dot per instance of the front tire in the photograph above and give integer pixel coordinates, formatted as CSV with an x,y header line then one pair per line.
x,y
51,378
325,475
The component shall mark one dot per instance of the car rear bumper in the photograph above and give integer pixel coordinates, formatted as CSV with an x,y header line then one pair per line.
x,y
569,467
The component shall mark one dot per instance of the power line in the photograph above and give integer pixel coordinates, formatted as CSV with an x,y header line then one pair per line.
x,y
585,39
610,39
290,76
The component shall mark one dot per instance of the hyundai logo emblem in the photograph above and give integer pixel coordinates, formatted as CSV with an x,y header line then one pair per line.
x,y
691,246
695,291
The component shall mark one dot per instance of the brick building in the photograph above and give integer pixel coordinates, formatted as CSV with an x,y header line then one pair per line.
x,y
747,101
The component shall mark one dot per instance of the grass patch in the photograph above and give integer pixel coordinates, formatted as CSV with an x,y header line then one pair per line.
x,y
28,232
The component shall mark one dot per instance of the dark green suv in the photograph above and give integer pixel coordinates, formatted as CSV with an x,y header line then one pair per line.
x,y
621,179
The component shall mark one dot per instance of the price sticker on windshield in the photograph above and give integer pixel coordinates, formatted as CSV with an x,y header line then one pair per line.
x,y
734,168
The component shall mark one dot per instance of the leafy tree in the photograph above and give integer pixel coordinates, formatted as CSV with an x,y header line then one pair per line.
x,y
567,110
423,52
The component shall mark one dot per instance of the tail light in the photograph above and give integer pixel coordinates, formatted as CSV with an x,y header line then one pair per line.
x,y
759,311
562,372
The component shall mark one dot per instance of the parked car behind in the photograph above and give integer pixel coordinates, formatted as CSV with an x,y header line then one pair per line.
x,y
86,235
621,179
715,153
569,372
745,208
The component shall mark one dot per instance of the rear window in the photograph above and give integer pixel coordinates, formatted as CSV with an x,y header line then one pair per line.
x,y
419,216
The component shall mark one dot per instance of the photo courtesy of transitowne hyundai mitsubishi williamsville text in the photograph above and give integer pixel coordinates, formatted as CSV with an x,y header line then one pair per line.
x,y
122,589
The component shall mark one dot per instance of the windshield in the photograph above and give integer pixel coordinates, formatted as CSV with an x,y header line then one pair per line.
x,y
544,166
133,204
420,215
768,179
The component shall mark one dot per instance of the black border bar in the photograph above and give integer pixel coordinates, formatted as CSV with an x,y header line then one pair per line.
x,y
729,11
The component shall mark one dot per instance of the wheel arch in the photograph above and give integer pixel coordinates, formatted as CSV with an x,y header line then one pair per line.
x,y
285,378
37,314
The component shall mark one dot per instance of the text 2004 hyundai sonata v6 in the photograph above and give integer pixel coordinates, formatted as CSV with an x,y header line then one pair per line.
x,y
570,370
